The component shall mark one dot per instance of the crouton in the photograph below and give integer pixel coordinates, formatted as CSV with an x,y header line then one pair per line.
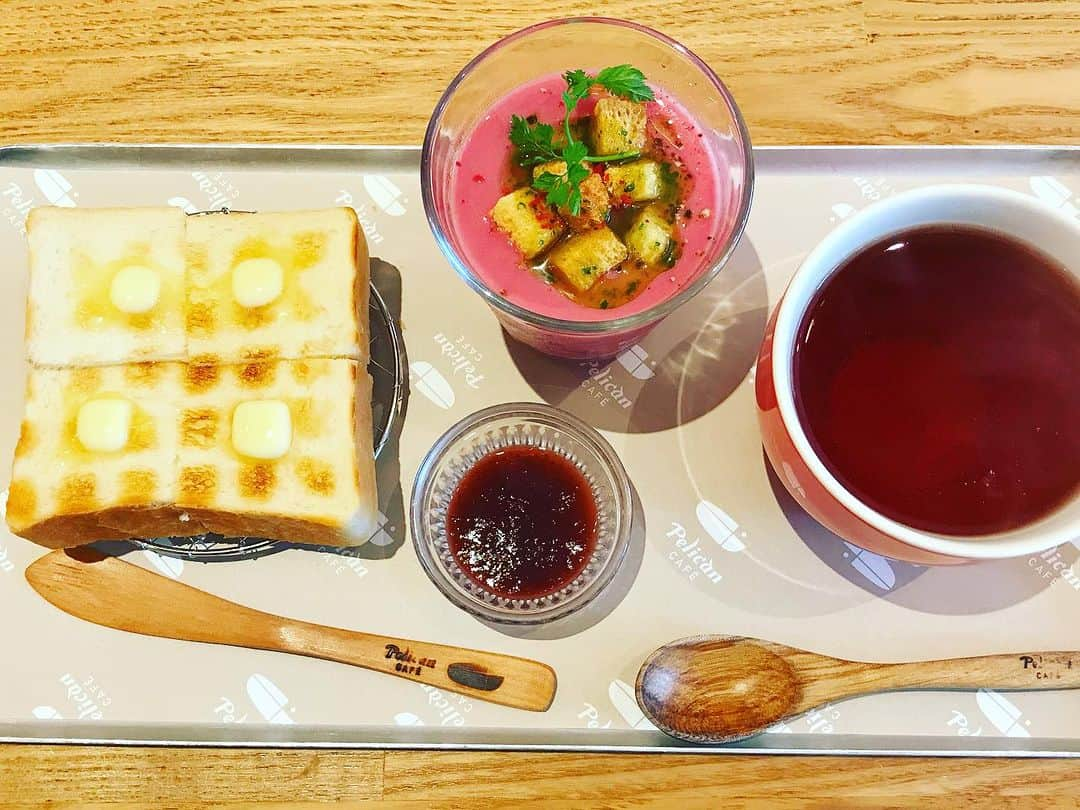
x,y
640,180
551,167
650,236
595,202
529,221
582,259
617,126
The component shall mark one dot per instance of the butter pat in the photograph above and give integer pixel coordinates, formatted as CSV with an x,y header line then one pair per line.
x,y
135,289
103,425
262,429
257,282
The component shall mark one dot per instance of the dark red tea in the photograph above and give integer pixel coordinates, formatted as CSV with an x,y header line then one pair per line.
x,y
936,374
522,522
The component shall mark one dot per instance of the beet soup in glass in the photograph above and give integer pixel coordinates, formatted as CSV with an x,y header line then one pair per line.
x,y
672,210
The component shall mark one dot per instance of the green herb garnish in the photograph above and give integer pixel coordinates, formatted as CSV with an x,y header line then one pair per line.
x,y
533,142
625,81
565,189
536,143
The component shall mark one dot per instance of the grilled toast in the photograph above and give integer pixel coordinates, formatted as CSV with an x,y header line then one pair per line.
x,y
164,349
106,286
178,467
317,487
66,488
288,285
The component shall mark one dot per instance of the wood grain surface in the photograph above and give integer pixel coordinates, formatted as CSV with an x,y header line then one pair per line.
x,y
803,71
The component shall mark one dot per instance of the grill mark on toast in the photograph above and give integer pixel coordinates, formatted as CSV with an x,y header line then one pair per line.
x,y
143,432
305,417
144,374
200,314
202,373
250,247
200,317
77,494
198,485
21,503
254,317
85,380
308,249
317,475
196,257
198,427
257,481
303,371
137,487
256,375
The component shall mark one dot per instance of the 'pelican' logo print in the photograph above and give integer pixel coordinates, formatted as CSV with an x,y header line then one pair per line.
x,y
721,527
841,211
385,194
873,567
430,382
183,203
622,698
55,187
269,700
1052,191
636,361
1000,711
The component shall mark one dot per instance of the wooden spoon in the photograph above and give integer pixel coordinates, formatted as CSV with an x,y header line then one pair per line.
x,y
110,592
725,688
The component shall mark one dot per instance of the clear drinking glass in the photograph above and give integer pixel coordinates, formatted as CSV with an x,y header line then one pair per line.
x,y
589,43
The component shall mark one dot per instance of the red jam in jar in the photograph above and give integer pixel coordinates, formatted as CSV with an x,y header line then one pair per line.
x,y
522,522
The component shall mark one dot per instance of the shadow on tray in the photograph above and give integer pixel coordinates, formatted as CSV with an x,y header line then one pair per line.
x,y
688,365
947,590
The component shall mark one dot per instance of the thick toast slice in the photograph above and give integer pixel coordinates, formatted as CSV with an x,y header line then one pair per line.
x,y
312,265
321,490
64,494
83,262
178,471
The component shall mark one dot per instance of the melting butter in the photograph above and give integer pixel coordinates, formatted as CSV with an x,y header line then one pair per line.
x,y
135,289
262,429
257,282
104,424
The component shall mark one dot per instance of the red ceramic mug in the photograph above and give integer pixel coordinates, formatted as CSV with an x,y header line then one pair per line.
x,y
797,465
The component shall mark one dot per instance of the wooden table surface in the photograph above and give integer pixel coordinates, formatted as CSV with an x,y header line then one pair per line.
x,y
350,71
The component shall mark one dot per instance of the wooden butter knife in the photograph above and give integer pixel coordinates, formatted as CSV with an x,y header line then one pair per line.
x,y
110,592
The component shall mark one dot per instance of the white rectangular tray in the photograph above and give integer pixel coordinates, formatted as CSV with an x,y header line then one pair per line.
x,y
679,410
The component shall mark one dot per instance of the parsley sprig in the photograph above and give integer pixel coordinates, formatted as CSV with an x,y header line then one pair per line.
x,y
537,143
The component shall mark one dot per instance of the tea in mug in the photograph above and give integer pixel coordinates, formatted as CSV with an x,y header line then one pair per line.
x,y
937,376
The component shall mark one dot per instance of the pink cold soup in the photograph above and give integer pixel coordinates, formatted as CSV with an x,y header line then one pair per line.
x,y
482,174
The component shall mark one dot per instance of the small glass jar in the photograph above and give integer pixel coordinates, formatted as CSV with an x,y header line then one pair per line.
x,y
588,43
530,425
